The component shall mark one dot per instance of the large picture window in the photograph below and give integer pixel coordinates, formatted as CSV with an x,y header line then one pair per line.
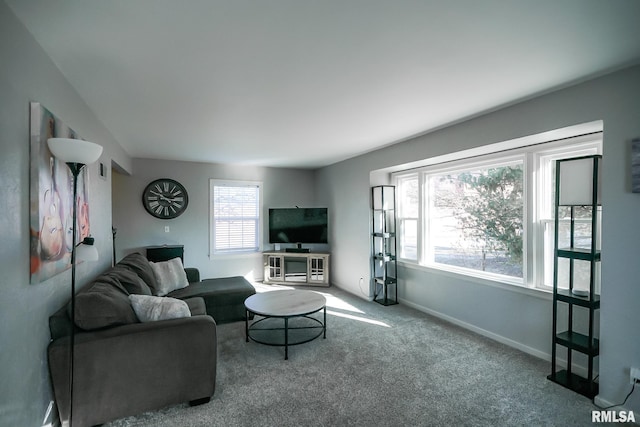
x,y
489,216
235,216
476,218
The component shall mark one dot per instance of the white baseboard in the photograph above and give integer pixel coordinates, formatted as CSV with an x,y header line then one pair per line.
x,y
50,416
601,402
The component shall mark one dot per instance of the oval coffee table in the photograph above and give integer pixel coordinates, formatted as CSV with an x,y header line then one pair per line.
x,y
286,311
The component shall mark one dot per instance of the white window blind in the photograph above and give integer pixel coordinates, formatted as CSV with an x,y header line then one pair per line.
x,y
235,221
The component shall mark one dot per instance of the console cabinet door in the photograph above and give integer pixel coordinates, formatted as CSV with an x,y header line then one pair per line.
x,y
274,268
318,269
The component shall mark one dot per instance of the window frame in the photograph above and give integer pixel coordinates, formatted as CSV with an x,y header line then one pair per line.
x,y
464,165
402,217
213,183
533,156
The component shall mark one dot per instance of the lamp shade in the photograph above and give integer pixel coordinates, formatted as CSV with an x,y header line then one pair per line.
x,y
384,197
86,251
577,181
74,150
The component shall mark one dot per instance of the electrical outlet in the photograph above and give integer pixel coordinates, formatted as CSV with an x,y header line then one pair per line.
x,y
635,375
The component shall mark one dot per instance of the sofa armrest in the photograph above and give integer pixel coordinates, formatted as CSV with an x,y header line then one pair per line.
x,y
193,274
134,368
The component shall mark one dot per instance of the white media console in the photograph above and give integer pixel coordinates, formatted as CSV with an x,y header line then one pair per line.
x,y
296,268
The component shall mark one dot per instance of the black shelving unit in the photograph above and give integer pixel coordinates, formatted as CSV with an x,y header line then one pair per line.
x,y
582,249
384,245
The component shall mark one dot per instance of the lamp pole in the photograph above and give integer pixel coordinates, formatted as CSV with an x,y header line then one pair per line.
x,y
76,154
75,171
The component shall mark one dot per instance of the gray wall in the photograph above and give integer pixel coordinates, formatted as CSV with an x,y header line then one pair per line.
x,y
519,318
136,228
28,75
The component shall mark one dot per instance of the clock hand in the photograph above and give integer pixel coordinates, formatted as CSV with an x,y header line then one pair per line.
x,y
161,196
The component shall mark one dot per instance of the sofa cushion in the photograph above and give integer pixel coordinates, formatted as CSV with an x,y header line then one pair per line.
x,y
193,274
224,297
139,264
170,276
103,303
224,290
150,308
196,306
132,283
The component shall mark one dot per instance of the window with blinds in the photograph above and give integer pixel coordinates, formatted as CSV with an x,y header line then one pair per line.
x,y
235,216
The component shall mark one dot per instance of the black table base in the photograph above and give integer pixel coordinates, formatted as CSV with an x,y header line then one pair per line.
x,y
285,331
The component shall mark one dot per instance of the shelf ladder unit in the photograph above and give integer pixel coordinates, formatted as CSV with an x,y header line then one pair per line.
x,y
384,245
584,343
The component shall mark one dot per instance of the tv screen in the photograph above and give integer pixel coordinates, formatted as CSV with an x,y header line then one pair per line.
x,y
298,225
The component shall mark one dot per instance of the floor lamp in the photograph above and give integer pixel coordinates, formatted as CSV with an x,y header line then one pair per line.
x,y
76,153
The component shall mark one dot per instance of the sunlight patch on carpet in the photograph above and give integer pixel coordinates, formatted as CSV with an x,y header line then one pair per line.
x,y
358,318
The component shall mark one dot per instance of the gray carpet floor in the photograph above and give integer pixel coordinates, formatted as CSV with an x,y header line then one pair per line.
x,y
378,366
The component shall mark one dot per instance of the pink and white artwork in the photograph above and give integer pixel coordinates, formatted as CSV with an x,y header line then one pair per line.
x,y
51,194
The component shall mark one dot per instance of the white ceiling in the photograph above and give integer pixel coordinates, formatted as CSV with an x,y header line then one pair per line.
x,y
306,83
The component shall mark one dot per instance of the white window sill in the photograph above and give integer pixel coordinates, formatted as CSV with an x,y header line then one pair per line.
x,y
236,255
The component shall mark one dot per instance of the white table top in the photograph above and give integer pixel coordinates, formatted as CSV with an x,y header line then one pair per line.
x,y
285,303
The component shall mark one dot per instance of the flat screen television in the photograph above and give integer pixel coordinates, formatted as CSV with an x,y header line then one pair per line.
x,y
298,225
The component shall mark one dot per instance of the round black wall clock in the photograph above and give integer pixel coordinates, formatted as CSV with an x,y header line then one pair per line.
x,y
165,198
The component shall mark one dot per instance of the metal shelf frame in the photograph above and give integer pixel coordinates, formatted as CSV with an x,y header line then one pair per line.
x,y
584,343
384,268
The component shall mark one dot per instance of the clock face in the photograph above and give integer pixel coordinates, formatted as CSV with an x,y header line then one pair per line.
x,y
165,198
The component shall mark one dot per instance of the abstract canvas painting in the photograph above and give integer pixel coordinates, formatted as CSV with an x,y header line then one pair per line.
x,y
51,194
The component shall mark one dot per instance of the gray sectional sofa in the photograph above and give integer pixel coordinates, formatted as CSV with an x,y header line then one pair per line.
x,y
123,366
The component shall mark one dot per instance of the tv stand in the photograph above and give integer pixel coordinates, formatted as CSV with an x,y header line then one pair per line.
x,y
291,267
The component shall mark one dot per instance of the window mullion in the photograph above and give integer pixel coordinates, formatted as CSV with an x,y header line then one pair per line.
x,y
423,219
528,220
